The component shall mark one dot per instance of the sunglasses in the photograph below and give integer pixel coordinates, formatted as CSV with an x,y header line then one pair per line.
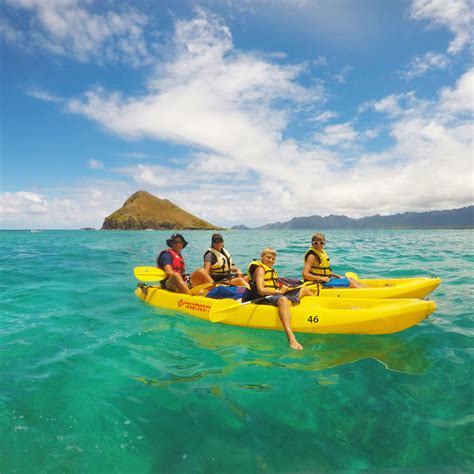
x,y
217,241
178,242
319,242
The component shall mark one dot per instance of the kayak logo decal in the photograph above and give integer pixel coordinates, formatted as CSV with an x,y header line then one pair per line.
x,y
193,306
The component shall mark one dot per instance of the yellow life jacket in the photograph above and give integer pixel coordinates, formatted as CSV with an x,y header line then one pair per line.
x,y
224,261
323,269
270,279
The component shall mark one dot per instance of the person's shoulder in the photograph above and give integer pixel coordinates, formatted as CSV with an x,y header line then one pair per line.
x,y
210,257
164,256
310,253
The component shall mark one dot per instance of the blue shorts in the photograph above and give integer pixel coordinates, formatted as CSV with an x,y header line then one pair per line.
x,y
272,300
337,283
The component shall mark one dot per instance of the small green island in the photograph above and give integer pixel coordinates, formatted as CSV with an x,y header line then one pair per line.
x,y
143,211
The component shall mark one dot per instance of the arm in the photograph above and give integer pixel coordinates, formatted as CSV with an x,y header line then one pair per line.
x,y
164,262
209,260
207,267
233,268
312,261
236,270
168,270
260,283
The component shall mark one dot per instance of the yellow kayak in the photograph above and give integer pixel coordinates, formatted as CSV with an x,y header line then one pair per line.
x,y
313,315
386,288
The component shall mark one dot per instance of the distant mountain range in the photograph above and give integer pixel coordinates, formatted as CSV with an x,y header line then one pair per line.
x,y
454,218
240,227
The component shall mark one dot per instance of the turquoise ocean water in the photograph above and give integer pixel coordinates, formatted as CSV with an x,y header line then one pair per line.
x,y
94,380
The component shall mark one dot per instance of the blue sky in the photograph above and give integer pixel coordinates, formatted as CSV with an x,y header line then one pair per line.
x,y
238,111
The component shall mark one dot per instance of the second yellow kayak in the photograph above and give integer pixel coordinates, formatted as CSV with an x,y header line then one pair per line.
x,y
386,288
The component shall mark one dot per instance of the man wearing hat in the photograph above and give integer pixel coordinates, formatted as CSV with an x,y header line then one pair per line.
x,y
172,262
219,265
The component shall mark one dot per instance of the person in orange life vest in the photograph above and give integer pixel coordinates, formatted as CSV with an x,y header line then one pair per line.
x,y
264,282
219,265
172,262
317,268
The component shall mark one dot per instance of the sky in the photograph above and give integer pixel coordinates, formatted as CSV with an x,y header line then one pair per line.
x,y
239,111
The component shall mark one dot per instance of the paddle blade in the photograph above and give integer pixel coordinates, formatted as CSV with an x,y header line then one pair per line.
x,y
149,273
352,275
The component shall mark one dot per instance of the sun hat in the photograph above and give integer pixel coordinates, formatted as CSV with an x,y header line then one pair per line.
x,y
169,241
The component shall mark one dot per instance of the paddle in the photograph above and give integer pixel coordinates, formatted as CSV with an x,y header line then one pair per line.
x,y
220,306
223,305
149,273
157,274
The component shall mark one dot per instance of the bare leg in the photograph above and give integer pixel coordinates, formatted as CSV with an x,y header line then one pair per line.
x,y
238,282
177,284
305,291
353,283
200,276
285,317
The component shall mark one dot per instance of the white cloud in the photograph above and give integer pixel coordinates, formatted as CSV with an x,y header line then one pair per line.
x,y
209,96
11,34
44,95
341,76
136,155
23,203
394,104
431,160
95,164
68,28
424,63
461,99
158,176
233,108
320,61
337,134
82,205
456,15
324,116
343,135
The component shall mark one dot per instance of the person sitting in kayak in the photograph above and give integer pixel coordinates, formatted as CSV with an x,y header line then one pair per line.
x,y
263,281
172,262
218,264
317,267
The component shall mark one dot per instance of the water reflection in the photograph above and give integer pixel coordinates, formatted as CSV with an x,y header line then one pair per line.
x,y
240,347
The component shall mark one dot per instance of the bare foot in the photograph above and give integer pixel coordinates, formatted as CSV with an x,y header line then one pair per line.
x,y
294,344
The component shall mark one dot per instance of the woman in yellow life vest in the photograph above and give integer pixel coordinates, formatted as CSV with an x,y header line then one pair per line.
x,y
317,267
218,264
263,281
